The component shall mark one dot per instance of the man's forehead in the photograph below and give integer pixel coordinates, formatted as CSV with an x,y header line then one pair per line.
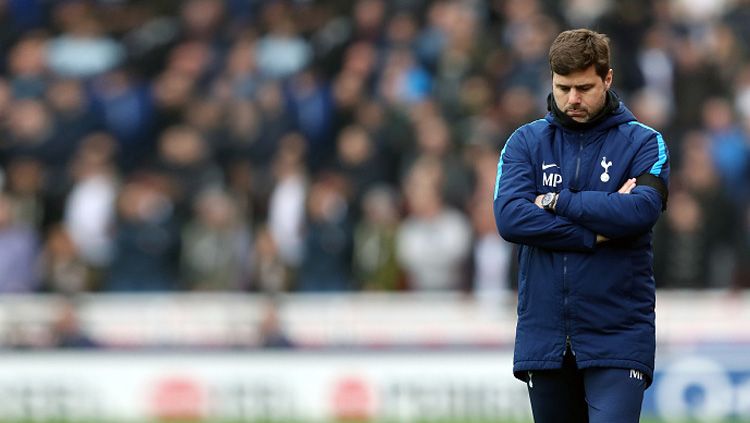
x,y
586,76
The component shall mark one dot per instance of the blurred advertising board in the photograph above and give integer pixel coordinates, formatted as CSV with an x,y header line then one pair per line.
x,y
692,384
705,383
283,387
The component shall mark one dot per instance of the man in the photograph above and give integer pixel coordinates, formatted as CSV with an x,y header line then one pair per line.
x,y
580,191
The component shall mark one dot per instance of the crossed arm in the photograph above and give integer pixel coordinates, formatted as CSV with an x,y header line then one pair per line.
x,y
626,188
580,219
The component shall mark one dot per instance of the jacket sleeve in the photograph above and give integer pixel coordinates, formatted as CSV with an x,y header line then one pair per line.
x,y
616,215
521,221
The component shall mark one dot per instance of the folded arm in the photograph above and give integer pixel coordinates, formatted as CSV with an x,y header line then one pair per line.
x,y
635,208
631,211
518,219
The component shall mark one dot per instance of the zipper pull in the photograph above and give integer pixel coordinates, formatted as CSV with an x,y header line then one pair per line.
x,y
568,345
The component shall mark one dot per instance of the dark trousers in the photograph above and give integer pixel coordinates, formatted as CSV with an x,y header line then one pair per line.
x,y
592,395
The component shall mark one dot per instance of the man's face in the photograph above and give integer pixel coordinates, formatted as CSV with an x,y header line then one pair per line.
x,y
580,94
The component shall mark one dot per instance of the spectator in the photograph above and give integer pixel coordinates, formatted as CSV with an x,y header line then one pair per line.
x,y
326,263
215,245
375,265
185,159
124,108
270,274
697,236
435,142
63,269
281,52
286,208
26,180
90,207
358,162
146,238
434,240
82,50
31,132
271,333
67,331
729,145
27,65
491,255
71,111
19,252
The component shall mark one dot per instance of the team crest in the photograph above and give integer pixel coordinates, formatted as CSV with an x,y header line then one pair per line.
x,y
606,165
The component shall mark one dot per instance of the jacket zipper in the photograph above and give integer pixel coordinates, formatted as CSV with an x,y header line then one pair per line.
x,y
578,160
568,344
565,306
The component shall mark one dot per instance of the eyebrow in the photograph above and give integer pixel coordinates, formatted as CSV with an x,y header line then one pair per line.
x,y
579,86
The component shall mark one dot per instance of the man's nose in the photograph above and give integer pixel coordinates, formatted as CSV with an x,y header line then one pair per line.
x,y
574,97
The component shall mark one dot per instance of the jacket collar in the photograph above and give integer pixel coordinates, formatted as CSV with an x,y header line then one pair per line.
x,y
613,113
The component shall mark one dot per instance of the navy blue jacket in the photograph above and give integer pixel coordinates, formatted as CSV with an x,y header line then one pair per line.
x,y
599,298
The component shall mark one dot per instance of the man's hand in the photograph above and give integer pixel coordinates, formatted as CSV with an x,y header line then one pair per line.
x,y
627,186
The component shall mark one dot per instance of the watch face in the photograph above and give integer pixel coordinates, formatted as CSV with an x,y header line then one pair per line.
x,y
547,199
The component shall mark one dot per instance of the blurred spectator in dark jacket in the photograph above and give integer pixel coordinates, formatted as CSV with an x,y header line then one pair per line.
x,y
359,163
146,238
71,111
27,65
326,263
125,108
729,146
696,78
435,142
275,123
31,132
186,159
694,243
311,104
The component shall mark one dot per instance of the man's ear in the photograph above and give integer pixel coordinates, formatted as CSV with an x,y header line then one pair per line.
x,y
608,79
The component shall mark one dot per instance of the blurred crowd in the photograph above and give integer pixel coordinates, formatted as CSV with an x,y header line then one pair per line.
x,y
315,146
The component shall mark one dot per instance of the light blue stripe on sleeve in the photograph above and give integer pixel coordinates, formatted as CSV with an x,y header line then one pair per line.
x,y
502,153
656,168
500,166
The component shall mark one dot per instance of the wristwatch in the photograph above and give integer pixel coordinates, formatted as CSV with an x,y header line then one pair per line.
x,y
549,200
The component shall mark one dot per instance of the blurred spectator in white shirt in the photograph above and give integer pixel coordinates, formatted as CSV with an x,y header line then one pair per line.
x,y
286,209
90,206
434,240
82,50
281,52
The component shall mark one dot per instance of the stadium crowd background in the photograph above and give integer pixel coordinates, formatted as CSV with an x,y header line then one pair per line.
x,y
311,146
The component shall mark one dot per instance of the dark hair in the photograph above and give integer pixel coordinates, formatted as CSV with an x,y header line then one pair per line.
x,y
577,49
